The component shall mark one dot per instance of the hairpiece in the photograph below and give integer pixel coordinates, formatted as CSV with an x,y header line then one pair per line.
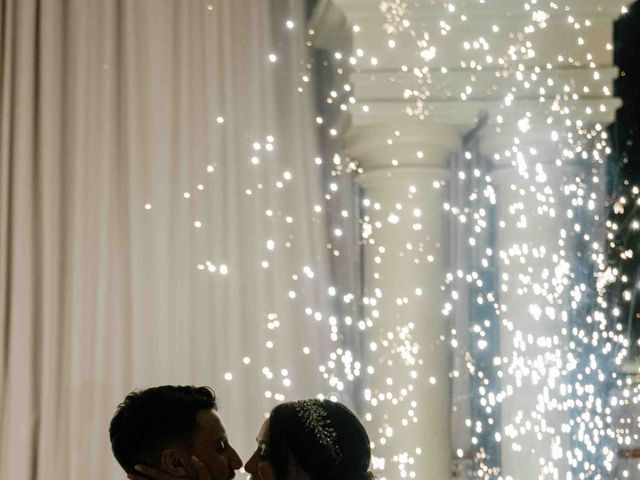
x,y
314,418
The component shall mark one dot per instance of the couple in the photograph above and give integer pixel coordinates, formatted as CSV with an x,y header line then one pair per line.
x,y
174,432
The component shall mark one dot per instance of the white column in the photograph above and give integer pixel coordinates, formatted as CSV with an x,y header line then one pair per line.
x,y
403,175
536,257
403,163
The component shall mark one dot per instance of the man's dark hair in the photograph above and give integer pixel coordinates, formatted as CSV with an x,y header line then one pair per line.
x,y
148,421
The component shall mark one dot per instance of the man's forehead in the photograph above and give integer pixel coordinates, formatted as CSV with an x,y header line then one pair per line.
x,y
210,420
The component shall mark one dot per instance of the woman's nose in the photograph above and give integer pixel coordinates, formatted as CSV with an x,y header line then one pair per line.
x,y
250,466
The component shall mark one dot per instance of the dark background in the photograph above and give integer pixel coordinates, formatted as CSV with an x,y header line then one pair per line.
x,y
623,171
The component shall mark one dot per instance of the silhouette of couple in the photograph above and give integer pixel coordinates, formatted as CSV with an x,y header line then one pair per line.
x,y
174,432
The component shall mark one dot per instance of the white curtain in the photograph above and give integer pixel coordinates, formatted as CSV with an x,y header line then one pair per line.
x,y
110,111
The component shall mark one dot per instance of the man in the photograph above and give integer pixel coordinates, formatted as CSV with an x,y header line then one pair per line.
x,y
175,430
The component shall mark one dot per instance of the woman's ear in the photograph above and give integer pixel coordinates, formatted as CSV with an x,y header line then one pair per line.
x,y
265,471
296,473
172,462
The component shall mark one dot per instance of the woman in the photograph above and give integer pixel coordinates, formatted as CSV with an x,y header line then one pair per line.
x,y
301,440
311,440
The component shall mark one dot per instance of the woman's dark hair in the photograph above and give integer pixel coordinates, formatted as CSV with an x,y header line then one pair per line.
x,y
291,436
148,421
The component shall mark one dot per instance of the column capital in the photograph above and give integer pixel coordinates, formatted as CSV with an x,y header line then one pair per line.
x,y
402,146
431,177
499,139
514,147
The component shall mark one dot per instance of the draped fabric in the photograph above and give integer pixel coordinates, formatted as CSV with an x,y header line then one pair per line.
x,y
112,113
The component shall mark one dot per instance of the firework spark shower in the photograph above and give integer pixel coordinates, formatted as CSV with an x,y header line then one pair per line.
x,y
410,206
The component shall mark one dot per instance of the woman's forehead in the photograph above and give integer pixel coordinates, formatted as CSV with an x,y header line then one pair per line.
x,y
264,431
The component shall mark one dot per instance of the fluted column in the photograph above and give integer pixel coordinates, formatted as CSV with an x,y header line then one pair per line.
x,y
536,259
404,170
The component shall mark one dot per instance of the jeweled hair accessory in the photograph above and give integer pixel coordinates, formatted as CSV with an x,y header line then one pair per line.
x,y
315,419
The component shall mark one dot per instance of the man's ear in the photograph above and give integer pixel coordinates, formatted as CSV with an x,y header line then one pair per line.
x,y
172,461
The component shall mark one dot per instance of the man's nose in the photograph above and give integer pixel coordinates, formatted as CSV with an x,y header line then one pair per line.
x,y
236,461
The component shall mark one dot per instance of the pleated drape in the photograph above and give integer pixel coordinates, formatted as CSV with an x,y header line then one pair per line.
x,y
112,113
